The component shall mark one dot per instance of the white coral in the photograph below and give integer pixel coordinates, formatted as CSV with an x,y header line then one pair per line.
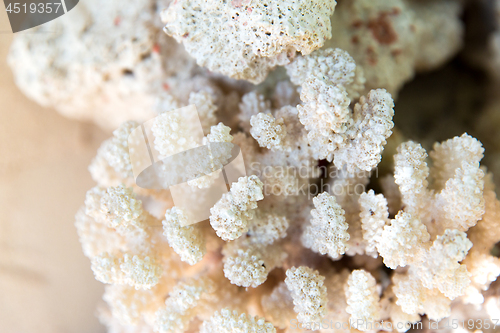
x,y
308,292
136,271
247,264
374,216
327,232
188,241
402,242
253,36
231,214
226,321
362,299
268,131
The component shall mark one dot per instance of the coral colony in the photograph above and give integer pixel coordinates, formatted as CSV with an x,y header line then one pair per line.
x,y
310,238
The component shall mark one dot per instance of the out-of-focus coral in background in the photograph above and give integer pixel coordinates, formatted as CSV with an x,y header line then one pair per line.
x,y
45,283
434,76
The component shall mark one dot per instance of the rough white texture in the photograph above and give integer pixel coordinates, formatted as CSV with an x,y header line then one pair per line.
x,y
180,306
251,104
122,210
187,241
334,65
226,321
231,214
374,216
252,36
218,155
172,134
401,242
327,231
362,299
351,138
410,174
486,232
484,269
367,137
308,292
95,236
113,160
268,131
101,62
205,105
457,172
247,264
441,265
136,271
414,298
454,199
131,306
267,228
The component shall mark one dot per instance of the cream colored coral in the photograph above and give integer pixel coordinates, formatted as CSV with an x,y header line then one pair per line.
x,y
96,237
105,62
113,161
402,242
410,174
205,105
414,298
122,209
374,216
483,269
362,299
462,198
248,264
325,114
231,214
354,139
180,306
172,134
457,201
226,321
308,292
441,267
334,65
367,137
131,306
187,240
327,231
278,306
336,306
400,320
136,271
486,232
449,155
253,36
266,228
218,155
268,131
251,104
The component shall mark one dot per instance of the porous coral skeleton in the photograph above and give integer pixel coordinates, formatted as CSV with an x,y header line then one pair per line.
x,y
270,255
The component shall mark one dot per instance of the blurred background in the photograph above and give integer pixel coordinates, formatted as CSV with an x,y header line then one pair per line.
x,y
46,284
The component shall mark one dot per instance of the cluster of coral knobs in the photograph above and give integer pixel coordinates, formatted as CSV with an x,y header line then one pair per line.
x,y
313,238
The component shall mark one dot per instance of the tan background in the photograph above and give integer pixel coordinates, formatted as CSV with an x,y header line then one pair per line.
x,y
46,284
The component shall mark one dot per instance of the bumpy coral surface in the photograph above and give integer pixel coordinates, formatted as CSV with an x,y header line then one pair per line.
x,y
305,232
253,36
